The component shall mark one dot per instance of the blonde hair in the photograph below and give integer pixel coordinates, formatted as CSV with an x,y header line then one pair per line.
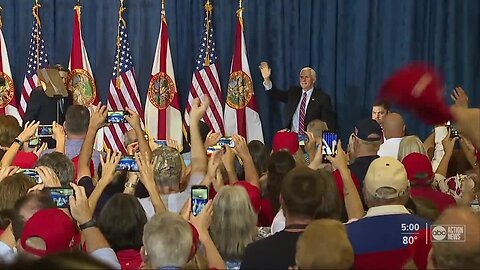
x,y
233,222
324,245
408,145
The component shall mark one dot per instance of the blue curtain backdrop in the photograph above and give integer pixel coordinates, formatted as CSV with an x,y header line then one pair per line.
x,y
352,44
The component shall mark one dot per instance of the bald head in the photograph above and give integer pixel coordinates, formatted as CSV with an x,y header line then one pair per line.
x,y
393,126
458,255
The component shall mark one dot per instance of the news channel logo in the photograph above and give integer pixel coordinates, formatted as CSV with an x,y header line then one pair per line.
x,y
448,233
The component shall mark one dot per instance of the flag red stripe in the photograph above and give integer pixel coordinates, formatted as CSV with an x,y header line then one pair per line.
x,y
132,95
205,91
237,52
2,111
241,123
163,47
76,60
162,124
218,92
1,57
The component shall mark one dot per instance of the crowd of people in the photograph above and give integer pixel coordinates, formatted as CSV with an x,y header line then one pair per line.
x,y
371,206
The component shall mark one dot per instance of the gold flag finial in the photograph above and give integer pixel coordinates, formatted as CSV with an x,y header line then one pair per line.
x,y
163,5
208,14
35,13
239,12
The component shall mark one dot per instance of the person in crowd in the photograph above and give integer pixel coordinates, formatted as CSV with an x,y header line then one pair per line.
x,y
363,147
408,145
14,143
60,261
457,254
77,120
316,127
121,221
233,224
324,245
380,109
60,164
393,130
304,103
279,164
301,197
376,238
169,241
12,188
420,174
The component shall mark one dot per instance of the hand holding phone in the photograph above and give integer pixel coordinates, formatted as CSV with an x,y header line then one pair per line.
x,y
127,163
302,139
226,141
116,117
329,145
199,198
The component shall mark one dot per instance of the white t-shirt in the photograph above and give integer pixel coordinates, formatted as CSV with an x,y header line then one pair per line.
x,y
175,201
389,148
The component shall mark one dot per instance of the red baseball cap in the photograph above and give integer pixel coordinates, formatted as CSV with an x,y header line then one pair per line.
x,y
418,87
418,167
25,160
285,140
54,227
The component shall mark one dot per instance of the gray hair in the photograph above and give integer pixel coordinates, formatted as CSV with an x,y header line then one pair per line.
x,y
410,144
312,72
167,169
233,222
167,239
378,199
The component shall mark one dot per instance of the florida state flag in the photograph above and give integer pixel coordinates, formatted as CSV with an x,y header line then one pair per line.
x,y
8,103
241,114
163,118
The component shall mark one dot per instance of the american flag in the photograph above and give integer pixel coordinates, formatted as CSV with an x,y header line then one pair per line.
x,y
205,80
37,58
123,91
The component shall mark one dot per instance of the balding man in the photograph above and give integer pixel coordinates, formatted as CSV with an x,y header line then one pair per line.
x,y
394,131
304,103
457,255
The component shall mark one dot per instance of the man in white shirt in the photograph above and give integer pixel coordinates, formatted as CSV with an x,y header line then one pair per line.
x,y
394,131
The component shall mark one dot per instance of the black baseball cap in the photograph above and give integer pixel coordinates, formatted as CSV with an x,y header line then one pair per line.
x,y
368,130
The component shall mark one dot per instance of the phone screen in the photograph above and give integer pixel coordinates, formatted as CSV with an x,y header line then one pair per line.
x,y
127,163
161,142
45,131
61,196
329,144
116,117
32,173
302,139
199,198
226,141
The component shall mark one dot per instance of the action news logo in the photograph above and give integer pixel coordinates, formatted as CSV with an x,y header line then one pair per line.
x,y
448,233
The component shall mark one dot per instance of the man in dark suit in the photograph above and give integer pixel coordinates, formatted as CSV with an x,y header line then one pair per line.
x,y
43,108
304,103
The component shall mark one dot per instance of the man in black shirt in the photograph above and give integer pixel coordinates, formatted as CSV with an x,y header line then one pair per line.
x,y
300,197
363,147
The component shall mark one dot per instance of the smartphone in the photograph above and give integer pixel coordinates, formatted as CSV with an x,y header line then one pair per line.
x,y
226,141
32,143
302,139
161,142
61,196
453,131
116,117
329,144
214,148
199,198
45,131
32,173
127,163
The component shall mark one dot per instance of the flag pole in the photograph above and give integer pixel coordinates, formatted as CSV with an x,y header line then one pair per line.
x,y
239,12
35,12
120,21
208,13
1,22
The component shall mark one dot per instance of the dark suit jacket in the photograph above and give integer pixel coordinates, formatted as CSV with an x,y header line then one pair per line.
x,y
42,108
319,106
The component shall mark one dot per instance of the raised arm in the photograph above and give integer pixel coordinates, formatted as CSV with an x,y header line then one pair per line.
x,y
97,121
24,136
241,150
199,156
59,136
134,120
109,164
145,167
353,203
272,91
448,146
